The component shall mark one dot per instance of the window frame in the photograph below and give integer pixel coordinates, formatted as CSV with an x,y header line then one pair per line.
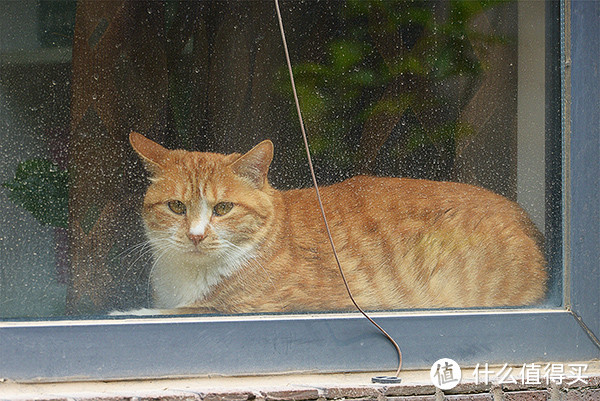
x,y
191,346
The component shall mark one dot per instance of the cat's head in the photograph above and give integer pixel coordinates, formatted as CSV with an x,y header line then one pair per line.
x,y
206,205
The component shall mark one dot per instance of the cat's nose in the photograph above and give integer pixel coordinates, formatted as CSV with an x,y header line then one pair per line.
x,y
196,238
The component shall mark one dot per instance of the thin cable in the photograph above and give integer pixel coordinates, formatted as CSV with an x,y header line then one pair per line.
x,y
314,180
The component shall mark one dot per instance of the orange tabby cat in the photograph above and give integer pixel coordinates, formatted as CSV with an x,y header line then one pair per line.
x,y
225,241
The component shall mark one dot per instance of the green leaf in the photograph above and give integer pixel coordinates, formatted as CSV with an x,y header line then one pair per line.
x,y
41,188
346,54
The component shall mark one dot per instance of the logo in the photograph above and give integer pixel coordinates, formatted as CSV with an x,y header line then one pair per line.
x,y
445,374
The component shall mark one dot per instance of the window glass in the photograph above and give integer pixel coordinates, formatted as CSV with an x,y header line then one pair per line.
x,y
93,220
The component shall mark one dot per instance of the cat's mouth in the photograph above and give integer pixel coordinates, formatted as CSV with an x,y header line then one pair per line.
x,y
196,251
200,250
204,249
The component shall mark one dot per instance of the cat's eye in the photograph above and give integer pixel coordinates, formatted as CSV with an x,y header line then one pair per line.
x,y
222,208
176,206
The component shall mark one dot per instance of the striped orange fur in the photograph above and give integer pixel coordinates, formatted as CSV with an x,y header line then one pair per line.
x,y
403,243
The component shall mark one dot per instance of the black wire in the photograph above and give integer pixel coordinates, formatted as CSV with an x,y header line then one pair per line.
x,y
314,179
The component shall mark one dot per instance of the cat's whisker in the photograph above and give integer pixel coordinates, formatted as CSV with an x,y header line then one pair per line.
x,y
167,237
143,248
133,248
140,256
232,245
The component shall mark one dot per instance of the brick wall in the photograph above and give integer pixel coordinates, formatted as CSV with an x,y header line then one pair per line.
x,y
467,392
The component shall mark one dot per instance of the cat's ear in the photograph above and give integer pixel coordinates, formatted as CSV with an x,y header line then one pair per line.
x,y
152,154
254,165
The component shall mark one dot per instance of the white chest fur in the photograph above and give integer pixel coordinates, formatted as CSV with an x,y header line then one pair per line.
x,y
181,279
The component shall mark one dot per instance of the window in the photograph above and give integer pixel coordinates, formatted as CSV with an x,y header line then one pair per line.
x,y
492,110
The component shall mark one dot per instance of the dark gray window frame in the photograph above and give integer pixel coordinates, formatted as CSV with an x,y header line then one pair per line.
x,y
67,350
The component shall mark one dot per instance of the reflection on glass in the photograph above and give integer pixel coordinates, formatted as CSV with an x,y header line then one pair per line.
x,y
93,223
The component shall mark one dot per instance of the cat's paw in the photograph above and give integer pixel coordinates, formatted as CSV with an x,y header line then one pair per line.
x,y
137,312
